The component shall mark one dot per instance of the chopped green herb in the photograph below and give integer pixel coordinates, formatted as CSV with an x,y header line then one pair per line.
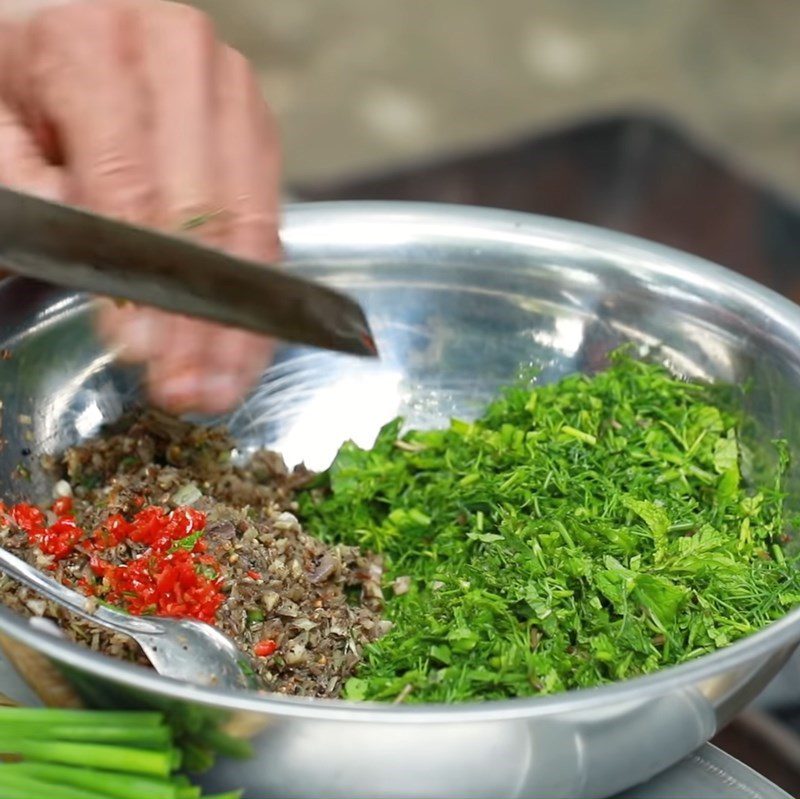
x,y
207,571
23,472
90,481
255,616
188,542
575,534
200,220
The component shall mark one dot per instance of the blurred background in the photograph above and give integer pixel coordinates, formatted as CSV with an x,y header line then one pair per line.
x,y
366,85
362,86
678,121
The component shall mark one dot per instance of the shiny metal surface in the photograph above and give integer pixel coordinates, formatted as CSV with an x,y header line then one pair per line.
x,y
80,250
183,649
457,298
709,773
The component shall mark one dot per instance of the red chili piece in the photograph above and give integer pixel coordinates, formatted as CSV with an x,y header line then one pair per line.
x,y
166,579
265,648
165,585
62,506
57,540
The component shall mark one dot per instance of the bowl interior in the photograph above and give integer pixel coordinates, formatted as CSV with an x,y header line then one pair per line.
x,y
459,299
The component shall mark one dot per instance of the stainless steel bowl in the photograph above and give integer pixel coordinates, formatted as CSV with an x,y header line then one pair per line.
x,y
459,298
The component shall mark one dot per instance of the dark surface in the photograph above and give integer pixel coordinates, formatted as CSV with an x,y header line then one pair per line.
x,y
775,755
640,176
636,175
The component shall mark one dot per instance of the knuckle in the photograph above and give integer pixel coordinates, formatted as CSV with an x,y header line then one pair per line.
x,y
239,68
254,234
58,36
60,23
238,84
112,166
261,220
115,181
191,21
204,219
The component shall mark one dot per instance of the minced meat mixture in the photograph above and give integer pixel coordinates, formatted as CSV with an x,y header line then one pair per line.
x,y
313,604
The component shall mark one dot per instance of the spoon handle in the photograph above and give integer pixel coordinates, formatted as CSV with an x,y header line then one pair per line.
x,y
72,600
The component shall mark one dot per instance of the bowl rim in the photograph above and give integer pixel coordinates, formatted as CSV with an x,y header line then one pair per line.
x,y
303,222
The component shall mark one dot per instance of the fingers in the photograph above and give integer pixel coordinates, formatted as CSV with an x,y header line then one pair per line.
x,y
85,85
225,185
157,123
179,51
21,163
135,333
178,60
247,149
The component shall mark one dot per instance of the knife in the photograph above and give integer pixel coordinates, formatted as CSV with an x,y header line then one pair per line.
x,y
80,250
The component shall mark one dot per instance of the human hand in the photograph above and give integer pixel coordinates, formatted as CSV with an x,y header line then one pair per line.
x,y
134,109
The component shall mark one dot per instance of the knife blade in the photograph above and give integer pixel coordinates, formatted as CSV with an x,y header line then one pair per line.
x,y
80,250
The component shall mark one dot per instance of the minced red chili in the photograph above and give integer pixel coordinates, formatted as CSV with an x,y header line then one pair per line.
x,y
58,539
62,506
265,648
173,576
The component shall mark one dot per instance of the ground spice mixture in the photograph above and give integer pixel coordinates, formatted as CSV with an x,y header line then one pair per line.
x,y
155,517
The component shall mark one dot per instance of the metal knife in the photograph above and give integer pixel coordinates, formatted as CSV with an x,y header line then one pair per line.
x,y
80,250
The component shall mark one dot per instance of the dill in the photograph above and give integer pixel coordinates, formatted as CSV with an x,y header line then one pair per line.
x,y
577,533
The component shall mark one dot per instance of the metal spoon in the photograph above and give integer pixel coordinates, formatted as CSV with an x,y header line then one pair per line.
x,y
183,649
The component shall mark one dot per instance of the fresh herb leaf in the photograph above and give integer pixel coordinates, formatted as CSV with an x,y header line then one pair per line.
x,y
187,542
577,533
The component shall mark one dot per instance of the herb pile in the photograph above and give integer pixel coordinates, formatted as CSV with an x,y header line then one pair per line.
x,y
575,534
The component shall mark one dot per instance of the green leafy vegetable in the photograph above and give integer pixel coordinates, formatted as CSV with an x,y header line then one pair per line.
x,y
78,754
188,542
577,533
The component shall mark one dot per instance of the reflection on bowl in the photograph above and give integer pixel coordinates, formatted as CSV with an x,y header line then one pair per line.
x,y
459,299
